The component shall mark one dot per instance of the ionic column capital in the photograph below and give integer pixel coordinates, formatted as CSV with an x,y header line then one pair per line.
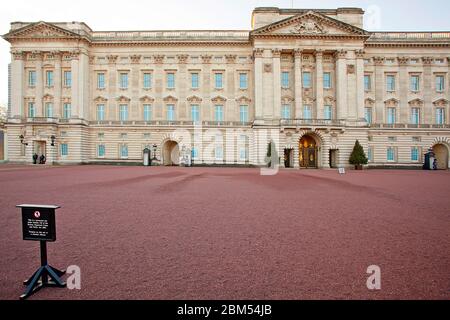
x,y
360,54
258,53
341,54
18,55
298,53
276,53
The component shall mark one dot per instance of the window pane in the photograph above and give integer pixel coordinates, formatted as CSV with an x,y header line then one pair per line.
x,y
147,112
101,80
194,80
64,150
368,115
101,150
124,80
123,112
367,83
67,110
414,154
285,79
327,80
49,110
244,114
171,80
218,115
243,81
101,112
170,112
67,78
285,111
195,113
415,114
49,78
306,80
147,80
219,80
32,78
328,113
307,112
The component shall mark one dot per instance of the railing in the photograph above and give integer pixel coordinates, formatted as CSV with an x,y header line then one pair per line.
x,y
172,123
408,126
42,119
167,35
311,122
410,36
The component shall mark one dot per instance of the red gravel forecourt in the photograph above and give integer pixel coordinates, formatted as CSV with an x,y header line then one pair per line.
x,y
230,233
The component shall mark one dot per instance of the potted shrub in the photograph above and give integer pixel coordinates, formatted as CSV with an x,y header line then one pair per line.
x,y
358,157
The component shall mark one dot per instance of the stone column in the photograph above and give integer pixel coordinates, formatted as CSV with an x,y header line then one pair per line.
x,y
380,89
276,58
39,84
360,93
58,85
319,85
298,84
17,82
259,103
403,89
428,90
111,112
341,82
75,100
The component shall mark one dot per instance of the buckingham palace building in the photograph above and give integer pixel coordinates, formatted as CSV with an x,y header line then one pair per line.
x,y
310,81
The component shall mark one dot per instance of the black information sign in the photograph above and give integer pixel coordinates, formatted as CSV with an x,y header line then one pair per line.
x,y
38,222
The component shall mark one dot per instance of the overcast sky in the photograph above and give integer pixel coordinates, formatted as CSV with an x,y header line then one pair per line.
x,y
387,15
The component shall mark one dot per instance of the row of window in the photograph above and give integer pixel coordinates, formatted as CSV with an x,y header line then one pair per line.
x,y
307,112
170,112
48,110
415,117
414,83
147,80
50,79
391,154
306,80
123,151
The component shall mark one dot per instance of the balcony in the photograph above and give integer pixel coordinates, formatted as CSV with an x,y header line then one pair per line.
x,y
166,123
306,123
408,126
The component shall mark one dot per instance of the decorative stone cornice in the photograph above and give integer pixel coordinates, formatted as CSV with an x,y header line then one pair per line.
x,y
258,53
441,102
112,59
75,54
244,99
379,60
403,60
135,58
276,53
416,102
100,99
206,58
18,55
427,60
159,58
391,102
298,53
91,59
230,58
340,54
360,54
182,58
37,54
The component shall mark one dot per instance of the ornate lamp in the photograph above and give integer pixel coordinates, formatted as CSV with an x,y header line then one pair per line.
x,y
22,138
53,138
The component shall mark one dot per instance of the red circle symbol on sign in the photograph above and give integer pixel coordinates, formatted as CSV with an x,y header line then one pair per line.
x,y
37,214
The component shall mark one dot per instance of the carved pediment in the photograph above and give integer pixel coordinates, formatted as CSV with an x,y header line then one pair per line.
x,y
40,30
244,99
329,100
123,99
100,99
441,102
170,98
218,99
194,98
147,99
369,102
391,102
416,102
310,24
47,97
287,99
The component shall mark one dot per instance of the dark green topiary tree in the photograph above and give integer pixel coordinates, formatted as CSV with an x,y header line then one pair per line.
x,y
358,157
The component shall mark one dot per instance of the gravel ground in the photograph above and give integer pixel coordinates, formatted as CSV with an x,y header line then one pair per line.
x,y
219,233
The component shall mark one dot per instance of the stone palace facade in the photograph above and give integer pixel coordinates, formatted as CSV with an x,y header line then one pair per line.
x,y
311,81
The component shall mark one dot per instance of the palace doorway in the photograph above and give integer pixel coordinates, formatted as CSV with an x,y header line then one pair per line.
x,y
288,158
308,152
171,153
441,154
40,148
333,158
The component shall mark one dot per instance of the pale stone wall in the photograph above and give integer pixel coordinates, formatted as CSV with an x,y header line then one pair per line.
x,y
283,40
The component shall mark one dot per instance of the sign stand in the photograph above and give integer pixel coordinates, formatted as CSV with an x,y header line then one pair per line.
x,y
38,223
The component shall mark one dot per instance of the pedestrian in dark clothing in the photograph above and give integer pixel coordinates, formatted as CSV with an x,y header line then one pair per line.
x,y
435,164
35,157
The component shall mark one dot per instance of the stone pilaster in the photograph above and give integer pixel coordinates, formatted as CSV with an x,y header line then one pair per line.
x,y
58,85
428,88
403,90
319,85
259,103
298,83
276,58
17,82
360,94
75,100
341,84
380,89
39,84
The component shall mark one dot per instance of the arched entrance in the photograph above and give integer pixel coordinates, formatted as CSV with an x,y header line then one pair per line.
x,y
308,152
441,153
171,153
